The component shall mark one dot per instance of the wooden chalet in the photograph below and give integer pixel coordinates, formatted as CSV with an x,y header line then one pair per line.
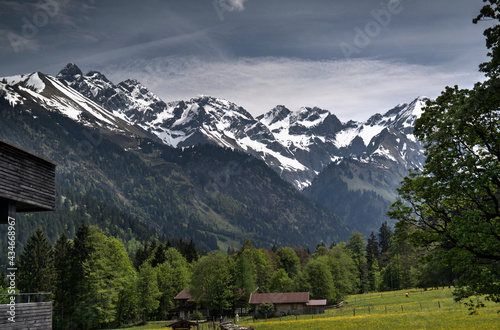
x,y
290,303
185,304
27,182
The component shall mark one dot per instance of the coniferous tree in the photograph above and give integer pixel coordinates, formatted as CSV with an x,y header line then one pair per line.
x,y
36,265
191,252
82,248
384,240
62,280
372,260
158,255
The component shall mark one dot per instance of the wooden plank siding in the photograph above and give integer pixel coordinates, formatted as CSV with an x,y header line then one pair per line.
x,y
28,316
27,179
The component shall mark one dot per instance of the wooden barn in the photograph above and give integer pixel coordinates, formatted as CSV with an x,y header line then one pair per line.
x,y
289,303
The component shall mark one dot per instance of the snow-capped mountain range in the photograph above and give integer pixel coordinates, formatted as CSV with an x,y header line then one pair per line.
x,y
296,144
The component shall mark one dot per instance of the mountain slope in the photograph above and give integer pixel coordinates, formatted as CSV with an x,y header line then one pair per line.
x,y
361,188
217,196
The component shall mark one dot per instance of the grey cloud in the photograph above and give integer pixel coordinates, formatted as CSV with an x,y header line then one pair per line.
x,y
232,5
351,89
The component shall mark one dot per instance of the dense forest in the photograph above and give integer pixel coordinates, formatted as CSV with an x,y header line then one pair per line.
x,y
95,283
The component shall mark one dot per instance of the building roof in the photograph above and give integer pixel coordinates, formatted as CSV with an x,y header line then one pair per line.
x,y
320,302
182,324
279,298
184,295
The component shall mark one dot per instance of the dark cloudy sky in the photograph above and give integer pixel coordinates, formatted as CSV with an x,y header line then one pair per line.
x,y
352,57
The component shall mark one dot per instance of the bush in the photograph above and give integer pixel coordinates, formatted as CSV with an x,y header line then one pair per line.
x,y
196,315
267,310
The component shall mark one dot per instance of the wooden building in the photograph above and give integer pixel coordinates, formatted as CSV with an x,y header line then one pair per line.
x,y
36,315
182,325
289,303
185,304
27,182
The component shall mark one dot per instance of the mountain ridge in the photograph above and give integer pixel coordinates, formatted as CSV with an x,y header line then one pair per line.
x,y
298,145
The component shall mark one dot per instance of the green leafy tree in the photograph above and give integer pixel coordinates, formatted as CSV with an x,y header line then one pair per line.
x,y
343,270
100,270
453,204
302,282
36,264
244,279
356,245
127,308
263,269
147,288
173,276
107,271
288,260
212,283
320,279
280,282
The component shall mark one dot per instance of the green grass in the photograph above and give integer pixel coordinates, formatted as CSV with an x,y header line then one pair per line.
x,y
392,310
434,309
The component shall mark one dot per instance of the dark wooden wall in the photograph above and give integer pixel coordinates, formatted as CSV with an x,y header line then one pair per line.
x,y
27,179
28,316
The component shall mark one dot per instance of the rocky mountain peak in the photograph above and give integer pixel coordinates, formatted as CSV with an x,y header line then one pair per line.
x,y
277,114
309,116
70,72
96,75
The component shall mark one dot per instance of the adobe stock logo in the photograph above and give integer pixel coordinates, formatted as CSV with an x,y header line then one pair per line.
x,y
363,37
31,25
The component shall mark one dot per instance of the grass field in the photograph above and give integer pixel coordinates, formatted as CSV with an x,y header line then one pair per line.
x,y
393,310
434,309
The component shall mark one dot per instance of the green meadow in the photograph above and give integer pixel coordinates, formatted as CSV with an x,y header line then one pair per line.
x,y
433,309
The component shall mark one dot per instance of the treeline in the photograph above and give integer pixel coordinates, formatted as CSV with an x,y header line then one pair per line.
x,y
93,280
95,283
